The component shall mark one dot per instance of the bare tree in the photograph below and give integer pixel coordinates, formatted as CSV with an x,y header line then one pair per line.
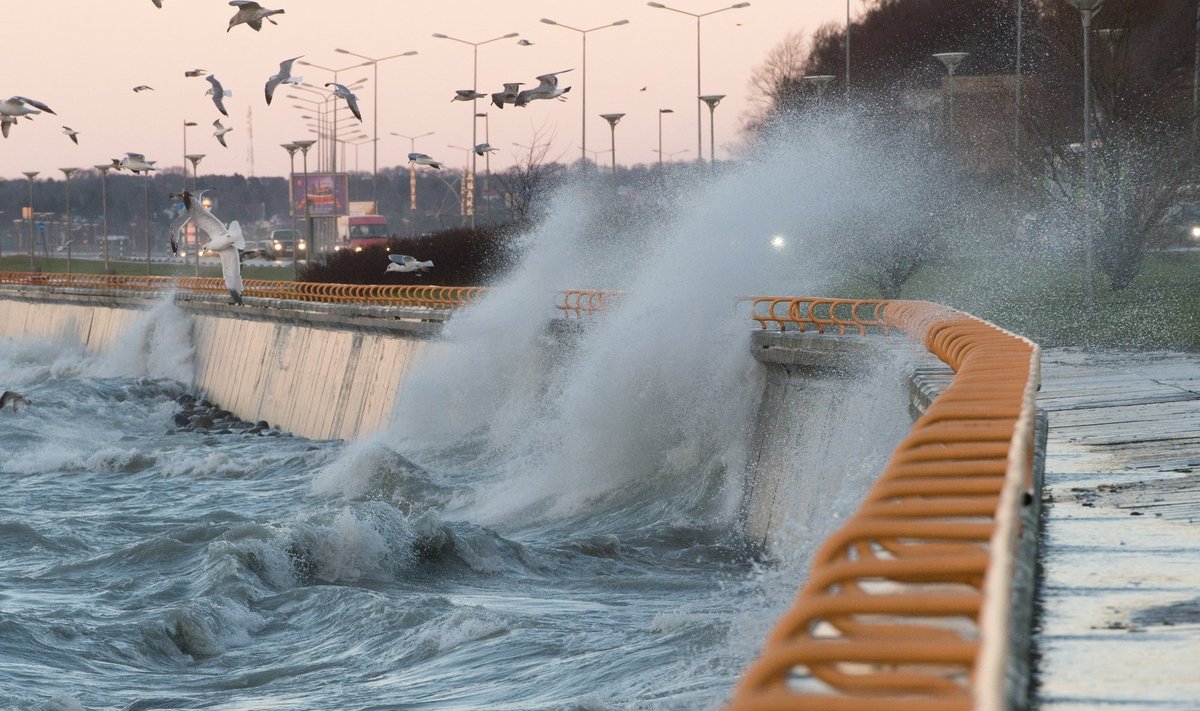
x,y
777,74
532,175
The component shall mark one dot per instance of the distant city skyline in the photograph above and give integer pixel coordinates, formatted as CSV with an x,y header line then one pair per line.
x,y
86,67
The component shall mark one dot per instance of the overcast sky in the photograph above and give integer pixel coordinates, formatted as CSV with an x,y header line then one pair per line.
x,y
83,58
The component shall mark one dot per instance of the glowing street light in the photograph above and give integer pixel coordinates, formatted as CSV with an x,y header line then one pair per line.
x,y
583,89
698,16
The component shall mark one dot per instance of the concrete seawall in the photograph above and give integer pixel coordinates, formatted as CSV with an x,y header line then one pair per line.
x,y
319,371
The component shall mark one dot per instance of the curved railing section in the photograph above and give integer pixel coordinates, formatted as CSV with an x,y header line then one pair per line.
x,y
907,606
781,313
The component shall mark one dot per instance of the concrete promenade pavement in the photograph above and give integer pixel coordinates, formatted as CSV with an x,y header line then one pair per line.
x,y
1120,591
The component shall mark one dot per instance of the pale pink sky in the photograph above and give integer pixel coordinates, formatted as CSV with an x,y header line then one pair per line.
x,y
83,58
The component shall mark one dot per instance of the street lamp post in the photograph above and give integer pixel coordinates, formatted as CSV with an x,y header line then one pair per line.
x,y
146,215
194,159
334,72
104,168
412,181
67,235
698,16
310,239
375,115
583,89
712,100
462,197
186,125
291,149
951,60
613,120
487,165
1087,9
847,51
474,104
32,175
660,151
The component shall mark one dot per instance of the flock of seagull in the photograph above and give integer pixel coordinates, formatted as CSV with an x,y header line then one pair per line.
x,y
227,240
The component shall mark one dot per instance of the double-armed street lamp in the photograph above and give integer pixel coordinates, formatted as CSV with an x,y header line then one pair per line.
x,y
469,200
583,88
375,114
698,16
412,180
334,72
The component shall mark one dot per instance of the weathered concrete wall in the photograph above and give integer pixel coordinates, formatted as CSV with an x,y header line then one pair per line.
x,y
318,371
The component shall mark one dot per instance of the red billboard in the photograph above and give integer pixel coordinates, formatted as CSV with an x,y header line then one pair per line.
x,y
327,194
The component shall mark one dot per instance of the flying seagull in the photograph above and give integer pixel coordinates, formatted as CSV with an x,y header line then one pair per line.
x,y
422,159
19,106
405,263
508,96
225,241
251,13
157,3
14,399
137,163
467,95
484,148
72,134
218,93
220,132
344,92
7,122
283,77
524,43
142,87
194,73
547,88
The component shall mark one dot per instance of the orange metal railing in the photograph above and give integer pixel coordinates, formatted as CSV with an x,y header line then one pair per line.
x,y
907,605
416,296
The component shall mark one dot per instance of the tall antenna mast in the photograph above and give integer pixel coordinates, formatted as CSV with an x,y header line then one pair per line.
x,y
250,139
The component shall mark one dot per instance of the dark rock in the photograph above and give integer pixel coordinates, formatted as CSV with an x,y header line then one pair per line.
x,y
181,420
263,424
202,422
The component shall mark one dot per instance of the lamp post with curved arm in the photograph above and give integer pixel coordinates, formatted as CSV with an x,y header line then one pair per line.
x,y
583,89
698,16
104,168
1087,9
375,117
469,201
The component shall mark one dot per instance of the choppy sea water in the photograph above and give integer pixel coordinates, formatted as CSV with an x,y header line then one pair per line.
x,y
148,566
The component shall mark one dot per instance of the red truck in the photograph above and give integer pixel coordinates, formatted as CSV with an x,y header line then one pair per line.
x,y
358,232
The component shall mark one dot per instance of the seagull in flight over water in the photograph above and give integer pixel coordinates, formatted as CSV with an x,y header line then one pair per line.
x,y
135,162
218,93
72,134
194,73
405,263
344,92
547,88
220,132
11,398
422,159
19,106
508,96
227,242
284,76
142,87
251,13
467,95
484,148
